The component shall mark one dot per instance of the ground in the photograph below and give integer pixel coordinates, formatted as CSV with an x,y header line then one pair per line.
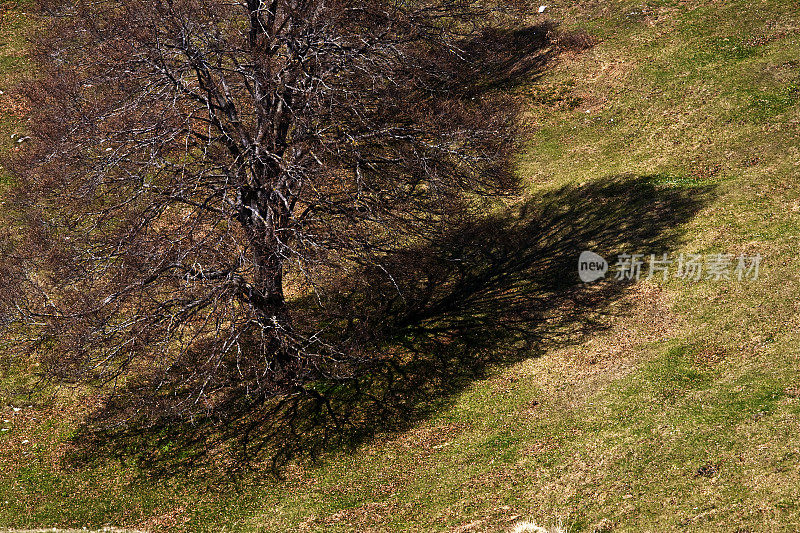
x,y
680,413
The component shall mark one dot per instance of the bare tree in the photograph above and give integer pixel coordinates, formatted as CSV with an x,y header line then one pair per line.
x,y
202,172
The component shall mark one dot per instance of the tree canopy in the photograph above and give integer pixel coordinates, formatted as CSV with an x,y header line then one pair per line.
x,y
207,183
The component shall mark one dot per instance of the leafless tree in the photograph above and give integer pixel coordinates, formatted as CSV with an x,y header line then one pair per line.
x,y
202,172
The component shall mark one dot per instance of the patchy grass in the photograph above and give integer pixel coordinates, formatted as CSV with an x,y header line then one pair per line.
x,y
683,413
12,62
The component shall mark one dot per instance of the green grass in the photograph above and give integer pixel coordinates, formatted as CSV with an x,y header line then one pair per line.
x,y
683,414
12,63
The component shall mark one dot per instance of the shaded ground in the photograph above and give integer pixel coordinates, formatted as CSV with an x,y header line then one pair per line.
x,y
486,296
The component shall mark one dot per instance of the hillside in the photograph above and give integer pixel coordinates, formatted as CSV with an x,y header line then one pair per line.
x,y
647,406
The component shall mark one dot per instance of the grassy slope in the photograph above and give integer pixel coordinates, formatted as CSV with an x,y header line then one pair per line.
x,y
683,414
11,62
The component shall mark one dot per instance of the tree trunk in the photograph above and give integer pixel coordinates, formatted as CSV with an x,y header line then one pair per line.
x,y
272,311
269,284
267,297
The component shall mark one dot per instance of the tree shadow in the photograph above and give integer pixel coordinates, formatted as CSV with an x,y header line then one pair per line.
x,y
487,294
502,59
447,311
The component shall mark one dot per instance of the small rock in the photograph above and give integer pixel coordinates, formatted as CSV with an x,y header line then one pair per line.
x,y
17,409
5,429
542,8
26,442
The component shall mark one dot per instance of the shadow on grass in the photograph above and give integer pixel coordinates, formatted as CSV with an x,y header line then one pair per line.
x,y
441,323
486,295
